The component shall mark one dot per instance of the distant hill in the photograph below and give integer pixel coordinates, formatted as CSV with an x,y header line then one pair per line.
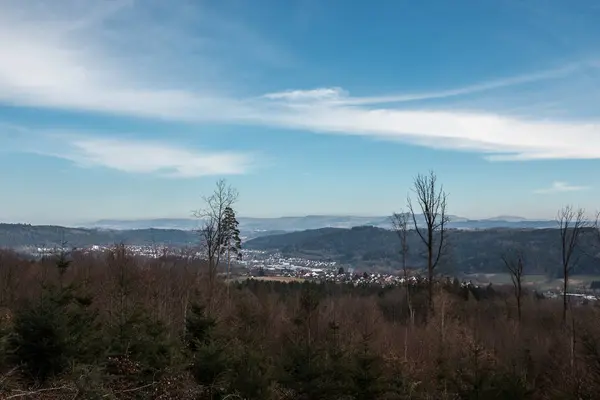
x,y
507,218
361,247
471,251
20,235
251,226
247,224
25,235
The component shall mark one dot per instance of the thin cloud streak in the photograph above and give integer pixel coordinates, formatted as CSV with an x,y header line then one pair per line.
x,y
561,187
154,158
337,96
72,61
499,138
133,156
70,64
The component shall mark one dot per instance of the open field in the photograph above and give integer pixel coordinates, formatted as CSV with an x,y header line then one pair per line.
x,y
278,278
537,281
284,279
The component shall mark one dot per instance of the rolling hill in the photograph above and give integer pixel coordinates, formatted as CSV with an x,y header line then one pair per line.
x,y
22,235
363,247
470,251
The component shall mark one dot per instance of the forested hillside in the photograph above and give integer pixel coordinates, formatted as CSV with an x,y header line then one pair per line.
x,y
17,235
470,251
362,247
118,326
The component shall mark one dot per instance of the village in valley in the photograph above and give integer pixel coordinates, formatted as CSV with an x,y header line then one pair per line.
x,y
274,266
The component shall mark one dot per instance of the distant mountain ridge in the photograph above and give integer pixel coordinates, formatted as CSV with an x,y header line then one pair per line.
x,y
507,218
248,225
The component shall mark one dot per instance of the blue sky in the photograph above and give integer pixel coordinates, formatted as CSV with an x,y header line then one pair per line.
x,y
133,109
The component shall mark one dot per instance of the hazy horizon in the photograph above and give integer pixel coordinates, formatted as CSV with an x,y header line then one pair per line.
x,y
86,222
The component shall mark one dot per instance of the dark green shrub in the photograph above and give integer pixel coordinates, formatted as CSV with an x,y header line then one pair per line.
x,y
59,331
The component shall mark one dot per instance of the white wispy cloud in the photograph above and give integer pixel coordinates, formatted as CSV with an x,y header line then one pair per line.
x,y
338,96
145,157
560,187
333,94
120,59
501,138
128,154
104,57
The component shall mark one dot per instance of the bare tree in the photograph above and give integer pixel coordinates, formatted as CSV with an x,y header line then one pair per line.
x,y
597,230
515,265
213,231
571,225
432,201
400,226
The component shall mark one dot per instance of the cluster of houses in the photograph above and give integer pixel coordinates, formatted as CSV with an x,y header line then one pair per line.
x,y
390,280
137,250
256,259
261,263
348,277
575,297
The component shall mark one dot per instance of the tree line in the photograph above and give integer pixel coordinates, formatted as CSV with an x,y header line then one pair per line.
x,y
119,326
431,199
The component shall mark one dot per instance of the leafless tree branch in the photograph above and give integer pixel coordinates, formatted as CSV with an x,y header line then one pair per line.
x,y
432,202
400,225
515,265
212,229
596,227
571,226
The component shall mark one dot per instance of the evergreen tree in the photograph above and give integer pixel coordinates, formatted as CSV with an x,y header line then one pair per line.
x,y
138,346
4,337
209,361
250,373
251,369
366,374
58,331
198,327
230,240
62,263
303,368
337,383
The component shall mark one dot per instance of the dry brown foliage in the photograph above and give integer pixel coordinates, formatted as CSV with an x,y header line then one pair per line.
x,y
465,348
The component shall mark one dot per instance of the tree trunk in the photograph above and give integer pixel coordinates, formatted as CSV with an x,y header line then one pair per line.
x,y
443,327
565,300
519,308
228,267
406,343
572,341
430,276
519,300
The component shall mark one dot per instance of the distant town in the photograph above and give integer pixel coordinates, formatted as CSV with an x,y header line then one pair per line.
x,y
260,264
